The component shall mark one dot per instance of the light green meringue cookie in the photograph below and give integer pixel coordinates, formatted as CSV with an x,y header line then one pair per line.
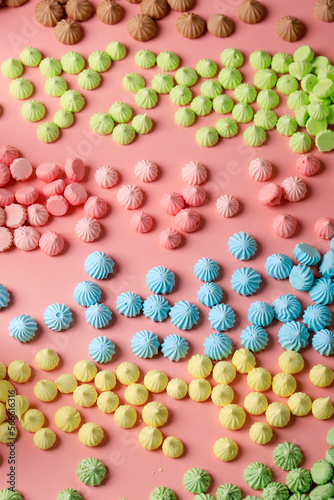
x,y
267,99
242,113
299,69
211,88
116,51
120,112
21,88
206,68
297,99
101,123
49,66
330,116
318,110
232,58
146,98
265,118
222,104
286,125
327,101
207,137
142,124
308,82
301,115
254,136
265,79
287,84
55,86
123,134
303,53
48,132
245,92
326,72
319,63
72,62
186,76
313,127
63,118
167,60
185,117
260,59
230,78
281,62
201,105
99,61
325,141
145,59
300,142
162,83
133,82
324,88
9,494
226,127
11,68
180,95
69,494
72,100
30,57
89,79
33,110
91,471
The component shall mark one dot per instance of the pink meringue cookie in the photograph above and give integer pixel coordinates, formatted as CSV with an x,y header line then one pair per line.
x,y
75,194
141,222
55,187
194,196
284,225
324,228
172,203
6,197
270,195
8,154
4,175
37,215
146,170
307,165
130,197
87,229
260,169
187,220
26,195
95,207
227,205
57,205
47,171
74,169
26,238
15,215
51,243
6,239
20,169
170,238
194,173
106,177
2,217
294,189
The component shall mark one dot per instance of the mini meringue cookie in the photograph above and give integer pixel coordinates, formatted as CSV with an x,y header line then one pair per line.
x,y
227,205
141,27
2,217
26,238
47,172
324,10
194,196
6,239
74,169
20,169
270,195
75,194
106,176
130,197
87,229
146,170
79,10
15,215
51,243
181,5
308,165
194,173
289,28
4,175
8,154
190,25
187,220
260,169
172,203
109,12
220,25
170,238
57,205
30,57
26,195
141,222
54,188
284,225
294,189
95,207
324,228
154,8
250,11
116,50
6,197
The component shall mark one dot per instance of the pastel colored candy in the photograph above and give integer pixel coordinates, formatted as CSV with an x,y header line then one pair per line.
x,y
26,195
15,215
57,205
6,239
95,207
87,229
54,188
74,169
270,195
26,238
6,197
75,194
4,174
106,176
47,172
20,169
284,225
8,154
37,215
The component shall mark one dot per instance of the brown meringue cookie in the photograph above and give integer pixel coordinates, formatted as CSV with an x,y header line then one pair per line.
x,y
14,3
220,25
68,31
79,10
48,12
109,12
154,8
141,27
289,28
250,11
324,10
181,5
190,25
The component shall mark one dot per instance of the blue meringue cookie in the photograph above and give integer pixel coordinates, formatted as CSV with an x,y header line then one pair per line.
x,y
4,296
221,317
87,293
129,304
174,347
99,265
184,315
322,291
260,313
306,254
217,346
323,342
210,294
98,315
145,344
327,264
287,308
245,281
58,317
293,336
316,317
242,246
101,349
278,266
206,269
301,277
156,307
160,279
254,338
22,328
332,243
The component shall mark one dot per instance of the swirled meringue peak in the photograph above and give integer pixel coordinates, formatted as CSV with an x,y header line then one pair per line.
x,y
99,265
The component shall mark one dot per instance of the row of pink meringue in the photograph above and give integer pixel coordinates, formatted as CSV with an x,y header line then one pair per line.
x,y
27,238
261,169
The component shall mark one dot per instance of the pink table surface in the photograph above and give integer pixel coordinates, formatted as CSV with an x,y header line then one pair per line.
x,y
35,280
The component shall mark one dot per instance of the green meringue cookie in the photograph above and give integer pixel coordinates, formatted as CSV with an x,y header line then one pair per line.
x,y
318,110
186,76
300,142
321,472
301,115
145,59
48,132
30,57
324,88
184,117
299,69
325,141
222,104
72,62
49,66
162,83
206,68
297,99
226,127
330,456
72,100
313,127
287,84
229,78
33,111
167,60
146,98
254,136
286,125
308,82
228,491
63,118
91,471
265,118
257,475
303,53
101,123
330,116
330,437
133,82
21,88
120,112
299,480
99,61
313,98
11,68
281,62
9,494
265,79
142,124
232,58
162,493
323,492
55,86
242,113
123,134
180,95
88,79
207,137
69,494
260,59
196,480
201,105
245,92
326,72
267,99
275,491
319,63
211,88
116,51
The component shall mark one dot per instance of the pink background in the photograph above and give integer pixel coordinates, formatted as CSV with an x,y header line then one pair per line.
x,y
35,280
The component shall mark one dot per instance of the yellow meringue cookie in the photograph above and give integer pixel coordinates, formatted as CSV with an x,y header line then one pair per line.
x,y
66,383
150,438
222,394
255,403
199,389
172,447
155,381
300,404
284,384
67,418
291,362
32,420
260,433
45,390
127,373
6,390
3,413
277,414
177,388
321,375
8,432
136,394
224,372
125,416
225,449
84,370
45,438
322,408
19,371
90,434
105,380
232,417
259,379
85,395
243,360
47,359
199,366
3,370
17,405
107,402
155,414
